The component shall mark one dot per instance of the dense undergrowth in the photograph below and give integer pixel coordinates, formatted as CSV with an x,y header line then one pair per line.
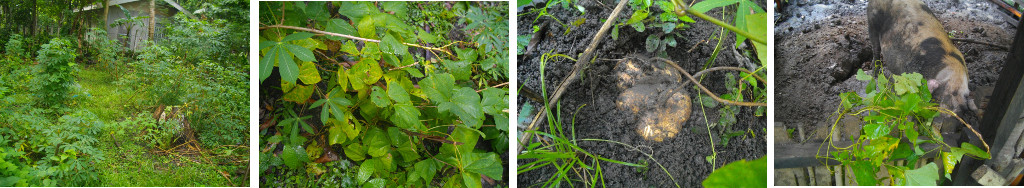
x,y
90,112
383,94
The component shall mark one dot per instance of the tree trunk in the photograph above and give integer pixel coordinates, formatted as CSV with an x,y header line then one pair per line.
x,y
152,19
106,10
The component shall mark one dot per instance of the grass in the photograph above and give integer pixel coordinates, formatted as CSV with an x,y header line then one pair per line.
x,y
131,163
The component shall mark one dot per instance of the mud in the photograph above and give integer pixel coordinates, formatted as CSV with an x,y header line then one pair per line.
x,y
596,96
820,44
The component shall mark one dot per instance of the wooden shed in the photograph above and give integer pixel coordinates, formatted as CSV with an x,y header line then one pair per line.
x,y
132,35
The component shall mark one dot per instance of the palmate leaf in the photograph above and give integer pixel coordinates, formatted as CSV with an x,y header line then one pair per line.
x,y
335,104
741,173
268,61
928,175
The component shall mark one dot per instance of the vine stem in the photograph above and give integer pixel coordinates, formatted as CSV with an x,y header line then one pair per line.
x,y
712,95
352,37
682,10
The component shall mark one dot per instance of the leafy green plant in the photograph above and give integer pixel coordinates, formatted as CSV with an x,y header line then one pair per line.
x,y
56,71
740,173
108,53
364,93
665,21
14,46
898,115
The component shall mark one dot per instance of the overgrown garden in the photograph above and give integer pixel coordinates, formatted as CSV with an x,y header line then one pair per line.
x,y
81,108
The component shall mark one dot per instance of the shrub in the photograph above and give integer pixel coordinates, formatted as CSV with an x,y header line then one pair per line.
x,y
219,105
14,46
49,153
56,72
107,51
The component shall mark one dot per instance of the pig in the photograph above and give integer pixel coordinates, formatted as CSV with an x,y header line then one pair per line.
x,y
908,38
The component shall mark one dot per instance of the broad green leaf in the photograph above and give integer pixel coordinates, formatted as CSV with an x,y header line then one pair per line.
x,y
356,10
340,26
294,155
355,151
378,97
875,130
406,116
396,7
296,36
907,83
461,70
308,73
342,78
366,27
426,37
489,164
376,142
757,26
974,150
397,93
286,66
637,17
426,169
299,94
470,179
351,129
495,101
862,76
365,170
927,175
390,45
467,136
865,173
335,135
465,103
438,87
653,41
467,54
367,69
375,183
350,48
740,173
949,160
639,27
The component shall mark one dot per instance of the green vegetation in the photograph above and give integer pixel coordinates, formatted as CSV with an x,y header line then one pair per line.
x,y
377,94
80,109
898,113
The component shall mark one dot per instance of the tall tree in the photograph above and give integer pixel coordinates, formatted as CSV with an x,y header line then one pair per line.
x,y
152,19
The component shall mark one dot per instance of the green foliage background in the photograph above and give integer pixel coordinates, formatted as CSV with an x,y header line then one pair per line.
x,y
406,100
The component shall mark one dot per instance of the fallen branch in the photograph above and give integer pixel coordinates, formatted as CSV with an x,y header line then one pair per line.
x,y
351,37
979,42
581,62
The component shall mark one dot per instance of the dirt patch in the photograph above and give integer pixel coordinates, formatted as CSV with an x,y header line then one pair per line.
x,y
597,93
821,44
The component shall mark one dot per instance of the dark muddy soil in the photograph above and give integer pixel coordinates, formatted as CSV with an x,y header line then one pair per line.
x,y
820,44
595,96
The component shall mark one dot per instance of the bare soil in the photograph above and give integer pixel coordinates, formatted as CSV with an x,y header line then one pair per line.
x,y
820,44
595,96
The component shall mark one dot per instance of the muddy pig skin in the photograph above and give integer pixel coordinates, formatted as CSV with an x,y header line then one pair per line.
x,y
910,39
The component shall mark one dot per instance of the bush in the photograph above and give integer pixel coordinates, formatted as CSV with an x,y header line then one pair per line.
x,y
56,72
219,102
107,52
14,46
49,153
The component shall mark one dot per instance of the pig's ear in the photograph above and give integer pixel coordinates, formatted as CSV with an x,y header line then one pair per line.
x,y
932,84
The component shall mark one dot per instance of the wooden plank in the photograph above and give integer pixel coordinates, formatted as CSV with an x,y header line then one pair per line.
x,y
1003,111
803,155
